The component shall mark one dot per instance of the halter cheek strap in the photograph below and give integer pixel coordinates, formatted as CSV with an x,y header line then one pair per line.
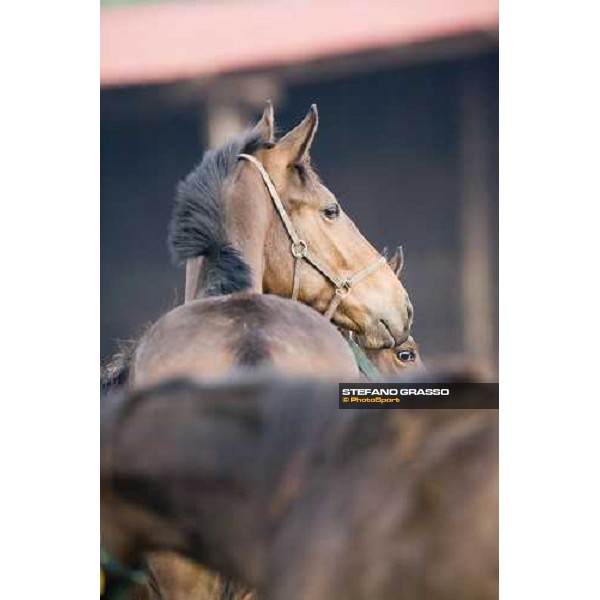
x,y
300,250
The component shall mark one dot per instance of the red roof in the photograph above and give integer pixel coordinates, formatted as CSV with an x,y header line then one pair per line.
x,y
172,41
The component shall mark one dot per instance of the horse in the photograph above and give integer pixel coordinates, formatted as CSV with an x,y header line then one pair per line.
x,y
268,482
404,358
254,216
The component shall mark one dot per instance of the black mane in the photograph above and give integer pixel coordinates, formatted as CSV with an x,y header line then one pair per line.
x,y
197,225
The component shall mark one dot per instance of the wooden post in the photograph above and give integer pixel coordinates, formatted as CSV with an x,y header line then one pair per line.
x,y
223,121
476,200
192,276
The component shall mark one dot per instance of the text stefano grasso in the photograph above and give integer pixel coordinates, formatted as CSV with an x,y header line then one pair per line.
x,y
396,391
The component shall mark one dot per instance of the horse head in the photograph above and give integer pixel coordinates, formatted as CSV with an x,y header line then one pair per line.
x,y
299,242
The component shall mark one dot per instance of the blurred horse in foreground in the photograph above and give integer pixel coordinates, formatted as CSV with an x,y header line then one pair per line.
x,y
270,484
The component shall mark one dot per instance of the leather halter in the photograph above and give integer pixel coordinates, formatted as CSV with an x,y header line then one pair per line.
x,y
300,250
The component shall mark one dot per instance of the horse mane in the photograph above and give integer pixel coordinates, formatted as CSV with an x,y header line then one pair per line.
x,y
197,226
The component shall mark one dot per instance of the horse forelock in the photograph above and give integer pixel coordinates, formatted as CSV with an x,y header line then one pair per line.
x,y
197,226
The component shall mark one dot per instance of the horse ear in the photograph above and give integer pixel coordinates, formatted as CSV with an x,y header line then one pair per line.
x,y
397,261
266,124
296,143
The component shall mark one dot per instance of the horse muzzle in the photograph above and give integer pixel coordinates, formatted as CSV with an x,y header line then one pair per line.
x,y
384,332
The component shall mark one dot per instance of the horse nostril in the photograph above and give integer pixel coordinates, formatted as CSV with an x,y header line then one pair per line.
x,y
387,327
398,332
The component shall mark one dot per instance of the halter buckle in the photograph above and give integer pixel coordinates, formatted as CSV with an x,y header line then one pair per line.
x,y
299,249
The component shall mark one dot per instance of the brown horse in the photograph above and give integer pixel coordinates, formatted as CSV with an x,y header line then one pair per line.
x,y
271,484
404,358
260,219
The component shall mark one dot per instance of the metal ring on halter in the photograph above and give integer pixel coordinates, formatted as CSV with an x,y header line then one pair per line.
x,y
299,249
342,288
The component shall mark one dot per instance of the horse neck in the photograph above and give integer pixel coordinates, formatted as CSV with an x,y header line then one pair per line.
x,y
253,229
248,215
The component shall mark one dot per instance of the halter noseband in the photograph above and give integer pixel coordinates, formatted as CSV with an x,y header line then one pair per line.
x,y
300,250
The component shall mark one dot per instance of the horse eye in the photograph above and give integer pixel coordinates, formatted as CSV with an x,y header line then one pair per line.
x,y
406,355
331,212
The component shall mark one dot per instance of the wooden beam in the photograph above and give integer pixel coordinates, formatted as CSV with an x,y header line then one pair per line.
x,y
192,275
476,221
